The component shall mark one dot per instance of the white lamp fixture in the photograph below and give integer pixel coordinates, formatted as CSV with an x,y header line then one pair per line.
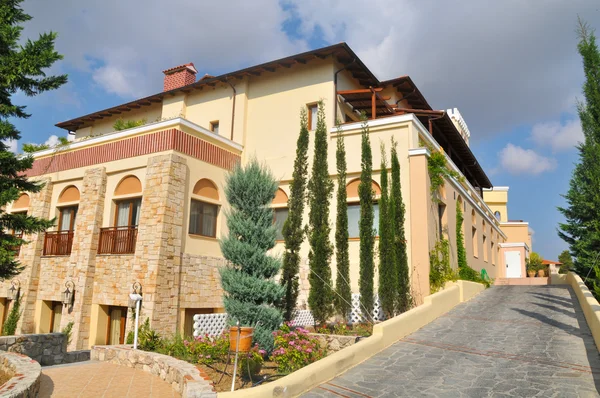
x,y
13,292
135,300
68,294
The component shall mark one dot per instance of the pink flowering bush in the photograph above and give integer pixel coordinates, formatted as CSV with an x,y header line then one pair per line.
x,y
208,349
295,349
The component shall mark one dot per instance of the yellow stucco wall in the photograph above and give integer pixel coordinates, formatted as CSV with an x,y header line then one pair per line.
x,y
497,200
517,232
150,113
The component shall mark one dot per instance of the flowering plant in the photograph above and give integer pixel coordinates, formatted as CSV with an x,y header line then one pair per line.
x,y
295,349
251,363
208,349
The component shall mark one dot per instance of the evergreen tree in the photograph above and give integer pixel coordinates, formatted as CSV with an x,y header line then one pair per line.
x,y
400,258
566,260
320,188
343,298
366,233
21,69
581,230
293,232
387,269
10,325
248,280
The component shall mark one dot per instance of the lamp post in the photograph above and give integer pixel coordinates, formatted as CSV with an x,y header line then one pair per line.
x,y
135,300
68,294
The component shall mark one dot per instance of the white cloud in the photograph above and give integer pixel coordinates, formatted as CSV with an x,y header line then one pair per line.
x,y
12,145
52,141
125,45
557,136
517,160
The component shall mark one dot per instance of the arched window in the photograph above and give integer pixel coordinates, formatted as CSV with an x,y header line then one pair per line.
x,y
21,204
497,215
204,209
59,242
354,207
67,208
280,212
128,209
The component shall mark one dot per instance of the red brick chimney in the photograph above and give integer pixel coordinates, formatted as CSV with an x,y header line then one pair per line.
x,y
179,76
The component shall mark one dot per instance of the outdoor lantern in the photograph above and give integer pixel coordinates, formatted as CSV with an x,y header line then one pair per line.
x,y
68,293
13,291
137,289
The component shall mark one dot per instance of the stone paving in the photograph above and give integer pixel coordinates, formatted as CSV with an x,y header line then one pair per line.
x,y
101,379
509,341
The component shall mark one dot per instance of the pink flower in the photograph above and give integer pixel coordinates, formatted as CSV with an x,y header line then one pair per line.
x,y
309,350
292,342
262,352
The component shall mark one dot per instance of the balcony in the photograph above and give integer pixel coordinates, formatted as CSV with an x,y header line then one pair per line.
x,y
117,240
58,243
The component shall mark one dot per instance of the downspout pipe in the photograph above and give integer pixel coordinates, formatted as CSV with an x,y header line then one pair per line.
x,y
335,75
232,107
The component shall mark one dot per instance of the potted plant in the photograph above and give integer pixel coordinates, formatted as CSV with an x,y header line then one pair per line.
x,y
534,265
245,338
541,272
251,363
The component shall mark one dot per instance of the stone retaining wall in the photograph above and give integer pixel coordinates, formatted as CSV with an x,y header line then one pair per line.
x,y
184,377
25,372
334,342
48,349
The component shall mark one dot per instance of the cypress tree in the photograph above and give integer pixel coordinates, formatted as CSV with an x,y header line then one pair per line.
x,y
22,65
404,299
581,230
293,233
320,188
251,292
343,297
387,269
366,233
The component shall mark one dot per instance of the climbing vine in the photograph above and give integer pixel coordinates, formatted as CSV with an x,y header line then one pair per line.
x,y
440,270
438,171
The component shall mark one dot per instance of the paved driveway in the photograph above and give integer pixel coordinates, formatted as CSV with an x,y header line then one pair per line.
x,y
509,341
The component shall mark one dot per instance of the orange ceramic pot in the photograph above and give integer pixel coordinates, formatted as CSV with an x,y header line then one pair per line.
x,y
245,338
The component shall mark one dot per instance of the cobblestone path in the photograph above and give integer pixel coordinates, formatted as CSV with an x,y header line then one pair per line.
x,y
101,379
509,341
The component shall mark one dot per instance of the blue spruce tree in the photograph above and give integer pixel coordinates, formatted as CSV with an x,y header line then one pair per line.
x,y
251,294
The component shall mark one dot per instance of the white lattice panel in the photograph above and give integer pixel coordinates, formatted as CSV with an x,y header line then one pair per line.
x,y
211,324
356,314
303,318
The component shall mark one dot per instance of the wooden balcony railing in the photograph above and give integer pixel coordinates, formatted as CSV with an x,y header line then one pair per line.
x,y
17,249
58,243
117,240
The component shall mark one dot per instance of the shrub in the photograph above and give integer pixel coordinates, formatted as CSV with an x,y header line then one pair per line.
x,y
121,124
68,331
343,329
175,347
148,338
252,362
10,325
208,349
295,349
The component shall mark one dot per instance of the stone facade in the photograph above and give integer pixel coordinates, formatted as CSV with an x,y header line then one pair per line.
x,y
184,377
171,280
159,239
25,380
47,349
200,281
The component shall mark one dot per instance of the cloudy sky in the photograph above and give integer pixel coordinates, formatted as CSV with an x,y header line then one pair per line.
x,y
511,67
